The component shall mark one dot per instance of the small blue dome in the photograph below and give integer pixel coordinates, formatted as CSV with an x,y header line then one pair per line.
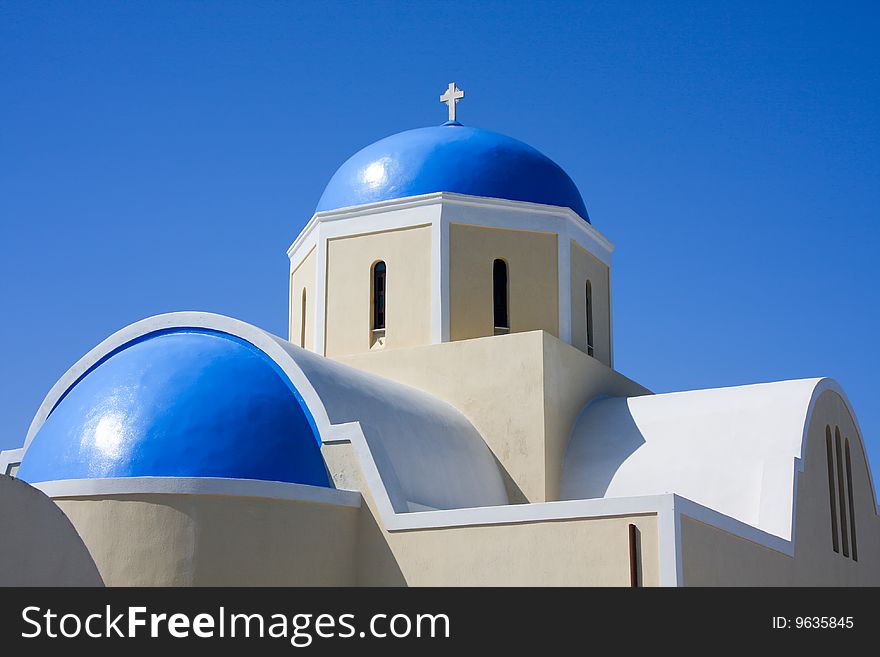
x,y
180,403
450,158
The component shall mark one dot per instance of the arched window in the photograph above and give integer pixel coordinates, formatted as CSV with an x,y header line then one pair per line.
x,y
302,328
832,492
378,295
852,512
500,296
589,312
841,495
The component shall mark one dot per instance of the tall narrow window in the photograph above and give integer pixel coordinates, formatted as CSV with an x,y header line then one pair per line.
x,y
852,512
589,318
634,556
302,328
832,492
500,295
841,499
379,296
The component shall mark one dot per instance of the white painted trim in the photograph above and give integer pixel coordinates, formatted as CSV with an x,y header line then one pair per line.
x,y
305,234
320,318
404,213
440,279
610,324
341,433
437,300
493,213
563,246
290,304
445,301
669,542
277,490
526,513
8,456
369,210
297,257
459,199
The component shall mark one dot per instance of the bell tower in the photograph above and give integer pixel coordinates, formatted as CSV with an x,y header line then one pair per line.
x,y
449,233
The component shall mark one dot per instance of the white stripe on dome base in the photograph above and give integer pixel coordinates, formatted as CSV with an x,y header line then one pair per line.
x,y
278,490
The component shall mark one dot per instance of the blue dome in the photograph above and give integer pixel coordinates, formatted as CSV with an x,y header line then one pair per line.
x,y
450,158
180,403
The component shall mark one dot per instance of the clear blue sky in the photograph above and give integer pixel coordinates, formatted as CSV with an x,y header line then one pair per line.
x,y
162,156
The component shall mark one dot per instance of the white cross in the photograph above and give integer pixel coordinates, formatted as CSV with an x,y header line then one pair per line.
x,y
451,97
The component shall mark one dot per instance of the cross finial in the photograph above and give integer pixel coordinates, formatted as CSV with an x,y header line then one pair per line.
x,y
451,97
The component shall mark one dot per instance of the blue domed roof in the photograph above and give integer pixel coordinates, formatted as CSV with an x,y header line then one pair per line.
x,y
180,403
450,158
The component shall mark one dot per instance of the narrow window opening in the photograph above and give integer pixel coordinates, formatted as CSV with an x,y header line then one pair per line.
x,y
302,327
379,275
832,493
589,318
841,495
500,294
633,556
852,513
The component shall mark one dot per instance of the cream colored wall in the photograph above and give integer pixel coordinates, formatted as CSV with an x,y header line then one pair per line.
x,y
586,267
578,552
407,255
303,277
712,557
571,552
521,391
212,540
532,280
496,383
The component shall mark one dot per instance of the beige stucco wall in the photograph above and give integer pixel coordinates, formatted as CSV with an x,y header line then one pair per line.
x,y
532,280
303,277
568,552
576,552
521,391
407,255
586,267
213,540
712,557
495,382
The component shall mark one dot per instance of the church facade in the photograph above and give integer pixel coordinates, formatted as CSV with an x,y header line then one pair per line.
x,y
444,411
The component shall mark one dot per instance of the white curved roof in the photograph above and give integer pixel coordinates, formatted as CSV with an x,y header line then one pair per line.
x,y
427,453
736,450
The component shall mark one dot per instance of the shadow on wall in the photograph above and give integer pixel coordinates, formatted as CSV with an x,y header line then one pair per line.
x,y
514,492
604,436
40,547
376,563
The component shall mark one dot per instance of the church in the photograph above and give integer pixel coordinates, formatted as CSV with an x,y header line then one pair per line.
x,y
444,411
